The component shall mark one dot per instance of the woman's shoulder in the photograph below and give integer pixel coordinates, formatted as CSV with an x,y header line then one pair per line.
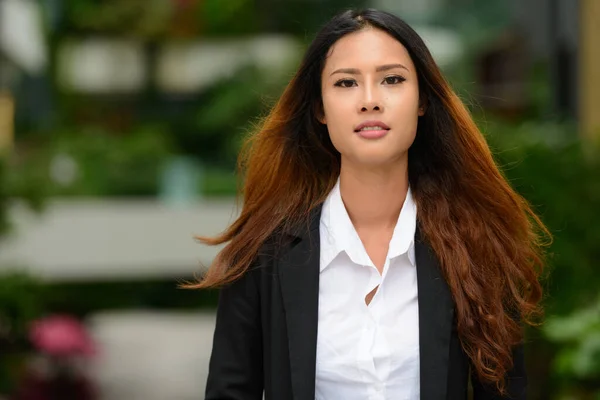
x,y
273,252
273,248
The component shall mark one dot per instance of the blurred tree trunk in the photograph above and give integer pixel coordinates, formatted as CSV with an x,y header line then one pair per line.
x,y
589,71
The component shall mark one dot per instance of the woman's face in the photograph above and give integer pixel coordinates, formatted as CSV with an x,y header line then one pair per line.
x,y
370,98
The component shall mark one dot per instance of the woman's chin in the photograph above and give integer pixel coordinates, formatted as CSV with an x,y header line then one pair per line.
x,y
375,160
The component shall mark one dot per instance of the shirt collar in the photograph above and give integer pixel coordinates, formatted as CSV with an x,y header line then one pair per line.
x,y
341,236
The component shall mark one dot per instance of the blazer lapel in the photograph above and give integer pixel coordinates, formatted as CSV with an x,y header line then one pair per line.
x,y
299,277
436,313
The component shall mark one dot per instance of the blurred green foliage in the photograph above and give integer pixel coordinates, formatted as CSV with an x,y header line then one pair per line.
x,y
219,182
83,298
302,18
161,19
134,18
20,303
103,149
89,161
20,300
227,113
559,176
578,336
19,292
229,18
13,188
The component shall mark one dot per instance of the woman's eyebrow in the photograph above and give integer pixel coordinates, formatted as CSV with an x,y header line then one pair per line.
x,y
355,71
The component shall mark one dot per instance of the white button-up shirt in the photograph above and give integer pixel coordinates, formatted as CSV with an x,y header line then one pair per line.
x,y
366,351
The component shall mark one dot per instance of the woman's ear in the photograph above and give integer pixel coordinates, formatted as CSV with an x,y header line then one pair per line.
x,y
320,113
422,105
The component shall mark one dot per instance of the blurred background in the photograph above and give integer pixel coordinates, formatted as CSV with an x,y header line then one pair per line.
x,y
120,121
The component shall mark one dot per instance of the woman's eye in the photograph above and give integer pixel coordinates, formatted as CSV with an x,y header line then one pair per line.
x,y
345,83
393,80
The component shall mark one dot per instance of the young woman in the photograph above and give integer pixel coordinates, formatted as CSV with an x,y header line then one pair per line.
x,y
380,253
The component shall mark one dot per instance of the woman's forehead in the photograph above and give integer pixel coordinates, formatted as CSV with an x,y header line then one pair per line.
x,y
366,49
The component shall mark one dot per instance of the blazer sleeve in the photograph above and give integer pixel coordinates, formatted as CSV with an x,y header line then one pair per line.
x,y
516,381
236,363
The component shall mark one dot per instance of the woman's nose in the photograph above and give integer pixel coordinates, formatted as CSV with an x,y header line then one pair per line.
x,y
370,101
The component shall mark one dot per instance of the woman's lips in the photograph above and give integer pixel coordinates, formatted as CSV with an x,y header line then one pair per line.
x,y
373,134
371,124
375,129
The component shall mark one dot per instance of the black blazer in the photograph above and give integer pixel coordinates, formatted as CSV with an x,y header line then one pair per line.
x,y
266,331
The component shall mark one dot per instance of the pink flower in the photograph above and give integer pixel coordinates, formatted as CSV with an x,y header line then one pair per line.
x,y
61,336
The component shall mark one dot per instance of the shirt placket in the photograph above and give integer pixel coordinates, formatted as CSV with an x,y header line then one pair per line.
x,y
371,325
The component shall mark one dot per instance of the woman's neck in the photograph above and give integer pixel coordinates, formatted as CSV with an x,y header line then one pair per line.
x,y
374,197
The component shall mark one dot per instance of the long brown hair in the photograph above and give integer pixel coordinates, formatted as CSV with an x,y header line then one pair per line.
x,y
487,238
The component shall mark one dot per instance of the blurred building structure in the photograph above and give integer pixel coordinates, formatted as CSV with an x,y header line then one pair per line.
x,y
84,240
566,32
